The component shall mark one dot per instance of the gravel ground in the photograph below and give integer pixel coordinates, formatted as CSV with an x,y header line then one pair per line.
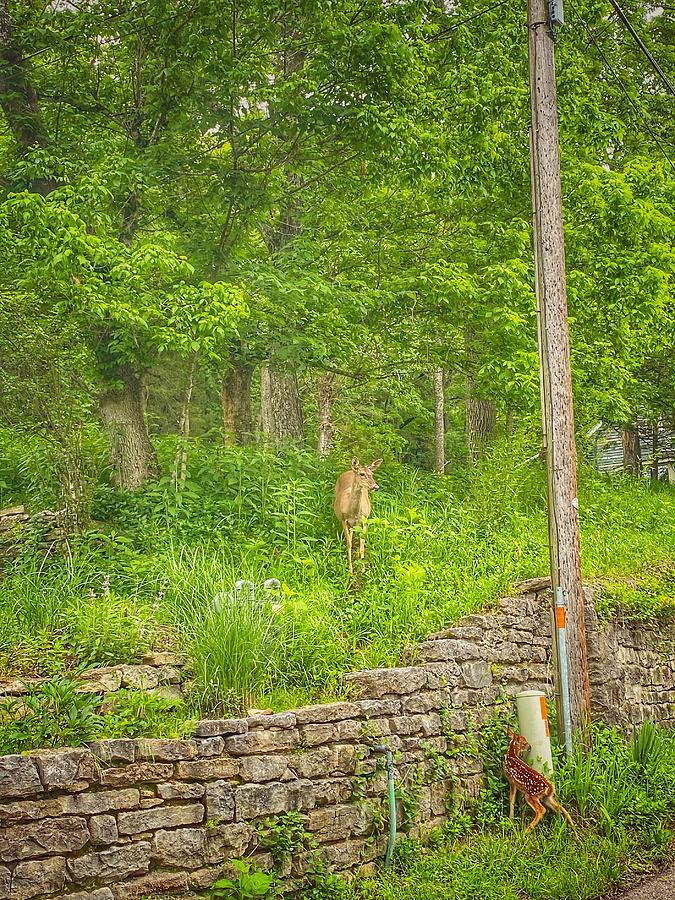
x,y
662,887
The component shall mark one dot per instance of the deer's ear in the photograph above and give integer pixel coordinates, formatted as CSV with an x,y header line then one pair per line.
x,y
375,464
356,465
510,732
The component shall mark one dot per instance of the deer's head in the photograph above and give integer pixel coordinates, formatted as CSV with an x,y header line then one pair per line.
x,y
519,744
365,473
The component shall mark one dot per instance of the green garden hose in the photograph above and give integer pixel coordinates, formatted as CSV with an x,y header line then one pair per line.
x,y
389,759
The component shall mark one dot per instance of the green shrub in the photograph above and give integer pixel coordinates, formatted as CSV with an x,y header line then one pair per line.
x,y
107,630
621,785
133,713
51,715
649,747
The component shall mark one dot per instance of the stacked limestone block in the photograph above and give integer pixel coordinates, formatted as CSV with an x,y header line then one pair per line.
x,y
160,674
632,671
132,818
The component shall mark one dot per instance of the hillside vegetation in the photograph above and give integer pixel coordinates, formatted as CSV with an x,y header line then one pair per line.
x,y
438,547
245,242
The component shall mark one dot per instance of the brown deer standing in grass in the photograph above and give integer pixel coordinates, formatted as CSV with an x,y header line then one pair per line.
x,y
539,792
352,503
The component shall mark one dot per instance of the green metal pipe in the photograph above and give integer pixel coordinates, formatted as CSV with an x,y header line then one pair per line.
x,y
391,790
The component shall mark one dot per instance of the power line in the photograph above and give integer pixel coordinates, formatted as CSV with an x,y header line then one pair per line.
x,y
443,34
641,44
624,89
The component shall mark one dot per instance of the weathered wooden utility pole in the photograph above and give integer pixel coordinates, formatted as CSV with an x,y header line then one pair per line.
x,y
573,701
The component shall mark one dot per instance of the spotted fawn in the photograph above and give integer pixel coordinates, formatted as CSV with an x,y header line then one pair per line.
x,y
538,791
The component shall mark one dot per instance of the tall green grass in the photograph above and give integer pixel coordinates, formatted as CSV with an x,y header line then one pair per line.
x,y
509,865
232,639
59,616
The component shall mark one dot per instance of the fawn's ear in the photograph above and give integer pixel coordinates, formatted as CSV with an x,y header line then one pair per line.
x,y
356,465
375,464
510,732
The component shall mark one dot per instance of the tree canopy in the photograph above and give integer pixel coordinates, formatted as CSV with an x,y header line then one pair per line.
x,y
318,205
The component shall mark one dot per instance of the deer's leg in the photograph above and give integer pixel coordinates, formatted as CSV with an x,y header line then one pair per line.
x,y
348,537
362,541
553,803
513,793
539,811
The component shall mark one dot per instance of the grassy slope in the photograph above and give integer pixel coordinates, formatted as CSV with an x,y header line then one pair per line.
x,y
438,548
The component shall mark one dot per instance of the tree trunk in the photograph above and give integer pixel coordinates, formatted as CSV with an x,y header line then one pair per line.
x,y
123,413
326,385
481,413
179,474
510,422
280,406
19,99
632,457
235,393
73,484
439,421
481,418
655,451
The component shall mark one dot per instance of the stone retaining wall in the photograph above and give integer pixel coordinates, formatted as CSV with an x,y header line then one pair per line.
x,y
160,674
132,819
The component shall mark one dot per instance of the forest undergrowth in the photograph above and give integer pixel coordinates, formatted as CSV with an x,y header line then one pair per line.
x,y
146,573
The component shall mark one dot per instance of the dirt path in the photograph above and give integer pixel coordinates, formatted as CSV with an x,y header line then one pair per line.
x,y
661,887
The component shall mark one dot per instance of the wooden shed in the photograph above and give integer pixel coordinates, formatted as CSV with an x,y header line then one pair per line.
x,y
656,445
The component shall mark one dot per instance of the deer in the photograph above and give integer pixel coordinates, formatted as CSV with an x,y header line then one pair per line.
x,y
352,503
538,791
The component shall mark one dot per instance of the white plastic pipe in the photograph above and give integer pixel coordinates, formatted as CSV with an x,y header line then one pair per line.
x,y
533,725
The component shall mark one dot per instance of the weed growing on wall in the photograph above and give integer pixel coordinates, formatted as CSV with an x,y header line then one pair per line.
x,y
489,744
284,836
437,763
409,796
248,883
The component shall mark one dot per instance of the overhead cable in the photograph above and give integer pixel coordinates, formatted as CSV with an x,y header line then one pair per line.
x,y
624,90
641,44
477,15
